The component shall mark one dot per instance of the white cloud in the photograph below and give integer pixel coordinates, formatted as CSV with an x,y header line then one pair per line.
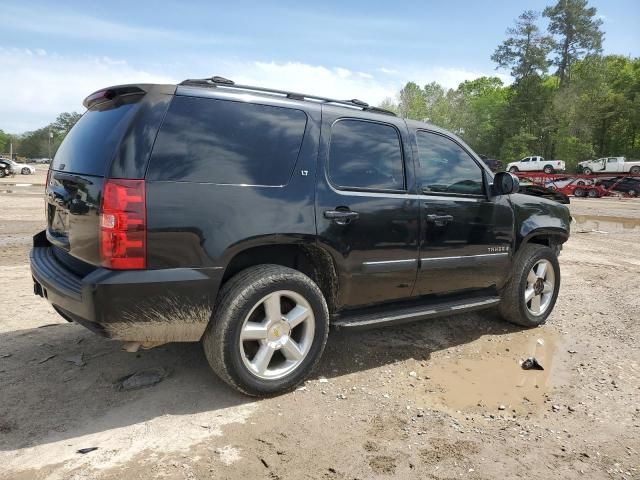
x,y
39,85
70,24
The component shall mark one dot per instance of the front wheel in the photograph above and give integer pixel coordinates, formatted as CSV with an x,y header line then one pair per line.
x,y
593,193
2,173
531,293
26,171
579,192
268,330
587,171
632,193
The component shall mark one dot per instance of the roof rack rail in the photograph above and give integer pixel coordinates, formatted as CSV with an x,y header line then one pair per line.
x,y
217,81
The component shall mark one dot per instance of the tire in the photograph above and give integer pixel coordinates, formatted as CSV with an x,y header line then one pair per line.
x,y
548,169
632,193
513,307
587,171
25,171
241,301
581,183
593,193
635,170
513,169
2,173
579,192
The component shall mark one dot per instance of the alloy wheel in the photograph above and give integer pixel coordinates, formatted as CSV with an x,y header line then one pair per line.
x,y
277,335
540,287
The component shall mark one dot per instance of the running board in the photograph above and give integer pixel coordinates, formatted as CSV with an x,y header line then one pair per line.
x,y
411,314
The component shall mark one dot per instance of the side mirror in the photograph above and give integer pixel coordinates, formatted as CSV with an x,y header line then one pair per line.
x,y
505,183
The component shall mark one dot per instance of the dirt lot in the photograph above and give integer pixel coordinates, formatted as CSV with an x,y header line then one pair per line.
x,y
440,399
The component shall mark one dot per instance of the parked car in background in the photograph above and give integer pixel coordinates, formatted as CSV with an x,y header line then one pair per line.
x,y
41,160
558,183
528,187
5,168
22,168
628,185
609,165
493,163
536,164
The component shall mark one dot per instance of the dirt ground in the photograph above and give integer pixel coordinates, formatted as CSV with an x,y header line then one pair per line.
x,y
441,399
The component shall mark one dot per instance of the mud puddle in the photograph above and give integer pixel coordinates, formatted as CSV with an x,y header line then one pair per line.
x,y
488,374
605,224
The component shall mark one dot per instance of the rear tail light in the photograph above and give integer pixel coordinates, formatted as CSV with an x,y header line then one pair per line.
x,y
123,226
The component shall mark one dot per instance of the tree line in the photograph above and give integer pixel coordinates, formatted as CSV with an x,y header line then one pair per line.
x,y
36,144
588,107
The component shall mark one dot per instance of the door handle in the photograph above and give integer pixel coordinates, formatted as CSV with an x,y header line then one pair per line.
x,y
439,220
341,217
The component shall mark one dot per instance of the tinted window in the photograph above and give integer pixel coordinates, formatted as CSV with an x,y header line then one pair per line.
x,y
219,141
92,142
365,155
525,159
444,167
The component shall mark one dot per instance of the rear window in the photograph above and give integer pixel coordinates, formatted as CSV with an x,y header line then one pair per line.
x,y
220,141
92,142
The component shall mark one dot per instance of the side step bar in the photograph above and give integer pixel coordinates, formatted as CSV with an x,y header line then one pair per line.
x,y
411,314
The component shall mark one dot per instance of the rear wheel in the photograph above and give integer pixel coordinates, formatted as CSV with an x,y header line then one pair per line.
x,y
548,169
632,193
2,173
513,169
579,192
635,170
593,193
587,171
531,293
26,171
580,182
268,330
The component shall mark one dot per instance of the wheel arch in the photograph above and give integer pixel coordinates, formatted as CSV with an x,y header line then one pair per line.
x,y
307,258
552,237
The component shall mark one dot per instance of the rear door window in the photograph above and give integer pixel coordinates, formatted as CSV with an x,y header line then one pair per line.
x,y
224,142
365,155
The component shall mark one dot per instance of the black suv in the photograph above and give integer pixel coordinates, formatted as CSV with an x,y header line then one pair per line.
x,y
252,219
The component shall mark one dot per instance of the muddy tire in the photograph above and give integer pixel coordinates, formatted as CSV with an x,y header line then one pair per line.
x,y
531,293
268,330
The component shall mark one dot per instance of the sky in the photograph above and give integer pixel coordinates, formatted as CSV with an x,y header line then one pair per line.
x,y
53,54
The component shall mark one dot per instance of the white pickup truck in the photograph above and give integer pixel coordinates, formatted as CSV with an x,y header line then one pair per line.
x,y
536,164
609,164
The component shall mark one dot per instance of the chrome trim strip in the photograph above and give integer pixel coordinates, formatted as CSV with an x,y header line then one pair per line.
x,y
390,261
465,256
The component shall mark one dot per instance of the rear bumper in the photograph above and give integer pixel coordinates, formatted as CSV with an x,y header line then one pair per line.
x,y
168,305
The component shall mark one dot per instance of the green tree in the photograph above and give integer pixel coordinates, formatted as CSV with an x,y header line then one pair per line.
x,y
525,50
577,32
4,142
412,102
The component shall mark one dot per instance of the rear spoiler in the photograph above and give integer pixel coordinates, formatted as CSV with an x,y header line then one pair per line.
x,y
112,94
